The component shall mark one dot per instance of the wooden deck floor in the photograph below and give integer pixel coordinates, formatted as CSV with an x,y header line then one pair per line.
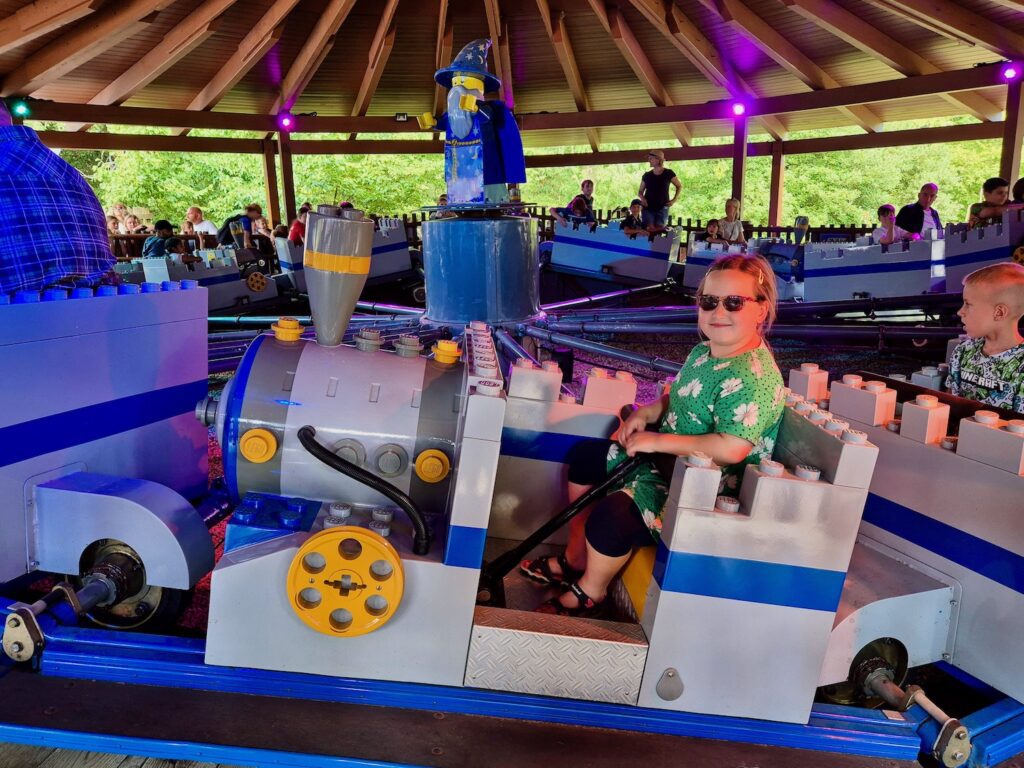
x,y
22,756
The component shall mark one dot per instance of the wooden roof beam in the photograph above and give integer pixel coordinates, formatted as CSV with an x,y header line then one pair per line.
x,y
195,29
559,36
445,37
380,52
314,51
669,19
99,33
787,55
612,20
499,49
40,18
870,39
953,20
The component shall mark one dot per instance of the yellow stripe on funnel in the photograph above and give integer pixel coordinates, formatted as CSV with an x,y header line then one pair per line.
x,y
331,262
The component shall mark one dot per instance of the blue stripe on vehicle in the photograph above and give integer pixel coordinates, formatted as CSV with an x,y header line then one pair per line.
x,y
752,581
1002,253
598,246
465,546
388,248
59,431
542,446
234,413
976,554
870,269
292,267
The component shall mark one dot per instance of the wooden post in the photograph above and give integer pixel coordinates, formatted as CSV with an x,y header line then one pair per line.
x,y
287,174
739,157
270,184
1013,132
778,188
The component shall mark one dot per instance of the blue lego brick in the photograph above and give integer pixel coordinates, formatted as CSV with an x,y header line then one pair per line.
x,y
262,517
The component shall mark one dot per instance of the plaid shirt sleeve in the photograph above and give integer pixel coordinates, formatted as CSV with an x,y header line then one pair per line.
x,y
52,224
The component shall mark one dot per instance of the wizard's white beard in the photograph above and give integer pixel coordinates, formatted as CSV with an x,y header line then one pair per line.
x,y
459,119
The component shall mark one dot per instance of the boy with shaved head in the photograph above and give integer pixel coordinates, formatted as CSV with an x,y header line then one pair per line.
x,y
989,366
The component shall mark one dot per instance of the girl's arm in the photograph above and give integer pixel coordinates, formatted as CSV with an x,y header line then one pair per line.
x,y
722,448
641,417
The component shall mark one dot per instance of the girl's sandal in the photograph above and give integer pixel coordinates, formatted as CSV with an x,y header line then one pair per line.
x,y
539,570
588,608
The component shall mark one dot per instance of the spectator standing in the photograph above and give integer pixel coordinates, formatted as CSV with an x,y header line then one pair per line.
x,y
887,232
996,192
200,224
918,218
155,247
52,223
239,225
119,211
654,191
731,228
297,233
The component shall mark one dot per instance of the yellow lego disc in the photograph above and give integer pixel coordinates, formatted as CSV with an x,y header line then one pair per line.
x,y
432,466
258,445
287,329
346,581
447,351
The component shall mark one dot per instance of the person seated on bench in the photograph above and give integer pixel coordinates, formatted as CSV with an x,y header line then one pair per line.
x,y
996,194
726,401
633,223
710,235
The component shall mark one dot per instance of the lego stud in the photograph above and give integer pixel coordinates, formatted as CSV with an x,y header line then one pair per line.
x,y
598,373
432,466
875,386
699,459
792,398
898,376
624,376
258,446
808,367
523,362
727,504
926,401
852,380
930,370
807,472
383,514
488,388
771,468
819,416
1016,426
380,527
836,426
986,417
446,351
894,425
287,329
805,407
565,397
479,325
854,436
949,443
551,366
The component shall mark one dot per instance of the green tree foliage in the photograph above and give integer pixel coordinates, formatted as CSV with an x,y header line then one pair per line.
x,y
832,188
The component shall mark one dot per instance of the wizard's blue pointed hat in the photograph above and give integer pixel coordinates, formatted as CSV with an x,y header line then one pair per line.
x,y
472,60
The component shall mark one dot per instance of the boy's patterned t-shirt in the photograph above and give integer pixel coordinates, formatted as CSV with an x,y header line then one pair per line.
x,y
991,379
740,396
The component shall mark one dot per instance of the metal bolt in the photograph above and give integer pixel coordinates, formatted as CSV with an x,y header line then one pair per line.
x,y
142,609
946,657
33,563
958,756
437,751
14,622
952,603
17,647
961,735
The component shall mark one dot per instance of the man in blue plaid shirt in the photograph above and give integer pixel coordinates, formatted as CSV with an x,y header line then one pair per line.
x,y
52,225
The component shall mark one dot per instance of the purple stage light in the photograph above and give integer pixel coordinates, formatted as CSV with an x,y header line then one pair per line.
x,y
739,108
1011,71
285,121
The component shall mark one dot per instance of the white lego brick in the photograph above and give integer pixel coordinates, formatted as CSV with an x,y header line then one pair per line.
x,y
609,392
872,403
843,455
995,442
531,383
925,420
809,381
474,483
929,377
693,491
485,413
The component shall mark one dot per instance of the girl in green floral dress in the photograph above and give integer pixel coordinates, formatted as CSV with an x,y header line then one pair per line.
x,y
726,401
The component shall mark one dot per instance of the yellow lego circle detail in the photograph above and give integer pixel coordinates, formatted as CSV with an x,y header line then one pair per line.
x,y
345,581
432,466
446,351
287,329
258,445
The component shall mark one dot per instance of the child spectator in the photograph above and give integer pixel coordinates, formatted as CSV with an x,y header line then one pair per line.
x,y
989,366
726,401
887,232
633,223
133,226
113,225
155,247
731,228
297,233
577,210
996,192
710,234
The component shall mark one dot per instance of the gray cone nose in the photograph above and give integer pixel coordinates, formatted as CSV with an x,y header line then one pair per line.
x,y
337,262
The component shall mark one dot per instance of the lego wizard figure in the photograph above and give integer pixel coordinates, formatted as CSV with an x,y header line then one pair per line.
x,y
483,152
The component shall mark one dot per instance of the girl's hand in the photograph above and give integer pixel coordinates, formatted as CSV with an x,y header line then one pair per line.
x,y
642,442
636,422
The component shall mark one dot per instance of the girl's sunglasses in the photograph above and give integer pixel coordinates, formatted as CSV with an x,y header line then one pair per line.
x,y
708,303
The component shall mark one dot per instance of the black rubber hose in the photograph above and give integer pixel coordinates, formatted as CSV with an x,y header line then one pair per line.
x,y
421,537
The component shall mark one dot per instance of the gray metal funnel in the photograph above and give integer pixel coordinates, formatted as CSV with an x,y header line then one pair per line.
x,y
337,262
